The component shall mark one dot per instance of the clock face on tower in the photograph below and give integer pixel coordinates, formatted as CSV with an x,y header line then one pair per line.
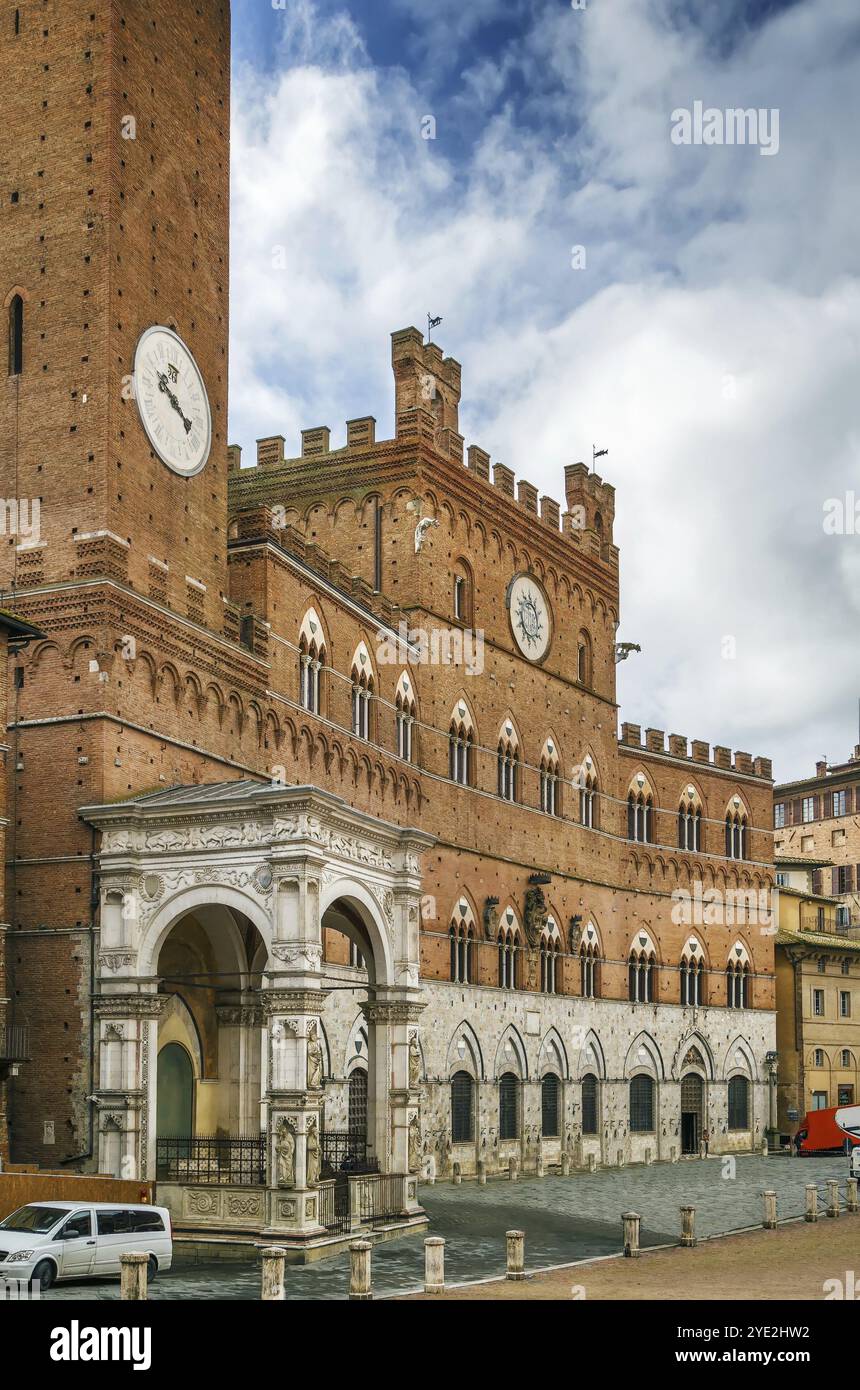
x,y
529,613
172,401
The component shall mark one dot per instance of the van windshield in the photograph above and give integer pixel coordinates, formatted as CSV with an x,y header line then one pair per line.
x,y
39,1220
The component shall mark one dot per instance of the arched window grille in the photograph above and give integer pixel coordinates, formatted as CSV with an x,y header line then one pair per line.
x,y
689,826
461,935
508,766
550,951
640,976
588,801
461,752
508,942
639,816
16,336
589,980
509,1106
462,1108
739,1103
692,980
362,693
550,782
589,1104
357,1102
736,834
404,719
738,984
311,662
641,1104
550,1106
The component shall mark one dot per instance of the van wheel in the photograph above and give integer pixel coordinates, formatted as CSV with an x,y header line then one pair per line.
x,y
44,1274
151,1269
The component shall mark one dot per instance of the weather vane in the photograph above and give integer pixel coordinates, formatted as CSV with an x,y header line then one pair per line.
x,y
597,454
432,323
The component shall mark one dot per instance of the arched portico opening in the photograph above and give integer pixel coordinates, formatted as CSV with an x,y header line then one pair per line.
x,y
229,916
208,1086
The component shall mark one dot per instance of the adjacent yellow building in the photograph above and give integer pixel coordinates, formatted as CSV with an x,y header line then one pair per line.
x,y
817,997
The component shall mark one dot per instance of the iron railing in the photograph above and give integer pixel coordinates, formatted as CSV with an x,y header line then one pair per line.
x,y
379,1197
334,1205
345,1151
239,1161
15,1042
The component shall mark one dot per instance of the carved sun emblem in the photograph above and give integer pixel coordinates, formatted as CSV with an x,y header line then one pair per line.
x,y
529,618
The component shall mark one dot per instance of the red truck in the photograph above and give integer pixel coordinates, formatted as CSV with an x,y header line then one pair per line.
x,y
833,1131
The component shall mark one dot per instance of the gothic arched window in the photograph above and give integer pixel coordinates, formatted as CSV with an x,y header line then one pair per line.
x,y
550,1107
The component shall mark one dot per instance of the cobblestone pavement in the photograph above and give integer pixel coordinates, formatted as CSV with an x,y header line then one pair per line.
x,y
564,1219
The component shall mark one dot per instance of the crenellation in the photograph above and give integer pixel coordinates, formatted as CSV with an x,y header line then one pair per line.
x,y
361,433
234,458
270,451
655,740
722,756
550,512
478,462
503,478
316,441
527,496
701,751
678,746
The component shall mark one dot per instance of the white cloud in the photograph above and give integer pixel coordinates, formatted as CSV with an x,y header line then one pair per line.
x,y
712,343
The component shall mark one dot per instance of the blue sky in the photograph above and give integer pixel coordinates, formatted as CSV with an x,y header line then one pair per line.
x,y
711,340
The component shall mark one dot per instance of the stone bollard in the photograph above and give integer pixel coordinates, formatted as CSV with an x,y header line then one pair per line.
x,y
630,1222
133,1277
273,1259
359,1270
832,1196
481,1169
513,1169
811,1202
688,1227
620,1157
769,1222
539,1168
516,1243
434,1264
592,1162
851,1194
673,1153
456,1175
565,1165
764,1149
649,1157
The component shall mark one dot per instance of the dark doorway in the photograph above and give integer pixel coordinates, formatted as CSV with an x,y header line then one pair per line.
x,y
175,1095
692,1090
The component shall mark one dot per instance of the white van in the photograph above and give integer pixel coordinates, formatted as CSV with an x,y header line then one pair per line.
x,y
45,1241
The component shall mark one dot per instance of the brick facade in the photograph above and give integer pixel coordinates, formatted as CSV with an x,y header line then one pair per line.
x,y
173,638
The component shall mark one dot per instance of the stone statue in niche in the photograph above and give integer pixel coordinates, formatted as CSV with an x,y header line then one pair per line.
x,y
414,1145
312,1155
285,1153
414,1063
315,1060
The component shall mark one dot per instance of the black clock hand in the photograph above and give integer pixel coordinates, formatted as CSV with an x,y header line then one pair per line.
x,y
174,401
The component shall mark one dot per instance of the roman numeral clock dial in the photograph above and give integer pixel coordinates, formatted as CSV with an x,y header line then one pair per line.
x,y
172,401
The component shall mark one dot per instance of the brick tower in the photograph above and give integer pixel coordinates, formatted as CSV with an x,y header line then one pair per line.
x,y
114,217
